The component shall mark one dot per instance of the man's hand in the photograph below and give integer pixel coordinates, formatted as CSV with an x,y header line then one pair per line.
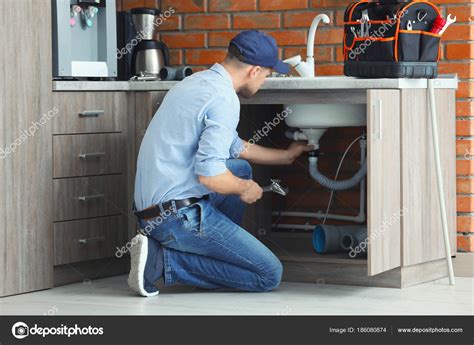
x,y
251,192
296,149
265,155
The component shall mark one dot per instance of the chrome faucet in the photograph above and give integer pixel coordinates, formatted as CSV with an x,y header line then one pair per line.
x,y
306,68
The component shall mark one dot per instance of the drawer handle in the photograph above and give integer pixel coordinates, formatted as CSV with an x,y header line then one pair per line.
x,y
91,197
91,239
91,113
92,155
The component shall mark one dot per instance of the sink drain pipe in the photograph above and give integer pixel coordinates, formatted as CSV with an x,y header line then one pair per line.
x,y
332,184
360,218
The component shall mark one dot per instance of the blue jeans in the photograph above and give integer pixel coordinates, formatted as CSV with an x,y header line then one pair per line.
x,y
205,246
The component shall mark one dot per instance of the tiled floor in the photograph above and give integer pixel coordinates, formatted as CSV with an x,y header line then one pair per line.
x,y
111,296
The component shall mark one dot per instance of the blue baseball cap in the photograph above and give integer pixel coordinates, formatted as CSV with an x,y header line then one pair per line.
x,y
259,49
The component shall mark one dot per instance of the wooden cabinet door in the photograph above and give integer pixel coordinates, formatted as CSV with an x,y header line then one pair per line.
x,y
384,208
26,232
422,234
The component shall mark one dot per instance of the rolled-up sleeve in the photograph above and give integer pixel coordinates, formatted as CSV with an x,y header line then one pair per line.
x,y
218,137
236,147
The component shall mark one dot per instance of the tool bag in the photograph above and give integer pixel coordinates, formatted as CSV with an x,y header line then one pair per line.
x,y
391,39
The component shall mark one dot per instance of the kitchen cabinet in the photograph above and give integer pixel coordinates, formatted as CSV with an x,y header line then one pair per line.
x,y
405,244
26,235
93,172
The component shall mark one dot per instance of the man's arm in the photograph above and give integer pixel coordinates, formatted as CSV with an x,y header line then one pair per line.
x,y
265,155
213,150
228,183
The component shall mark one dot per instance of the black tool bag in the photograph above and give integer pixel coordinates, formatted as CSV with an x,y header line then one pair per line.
x,y
395,42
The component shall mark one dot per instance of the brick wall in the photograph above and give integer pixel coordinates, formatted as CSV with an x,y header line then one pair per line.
x,y
199,32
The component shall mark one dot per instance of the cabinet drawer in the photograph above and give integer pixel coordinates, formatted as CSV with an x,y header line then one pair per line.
x,y
88,239
88,154
89,112
85,197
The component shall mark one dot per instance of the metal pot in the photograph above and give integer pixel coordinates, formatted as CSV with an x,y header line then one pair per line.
x,y
145,22
149,57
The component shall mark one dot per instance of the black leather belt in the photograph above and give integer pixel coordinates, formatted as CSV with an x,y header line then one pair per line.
x,y
155,211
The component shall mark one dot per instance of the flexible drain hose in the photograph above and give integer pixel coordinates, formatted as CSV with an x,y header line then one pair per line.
x,y
335,185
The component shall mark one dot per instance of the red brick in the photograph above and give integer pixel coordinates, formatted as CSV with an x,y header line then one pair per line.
x,y
464,128
463,69
464,167
339,21
465,243
300,19
465,89
199,68
461,32
257,21
323,4
276,5
339,54
465,108
329,36
462,13
289,38
184,40
445,2
465,186
329,69
184,6
207,21
460,51
465,203
176,57
464,147
205,56
232,5
128,4
465,224
220,39
322,54
172,23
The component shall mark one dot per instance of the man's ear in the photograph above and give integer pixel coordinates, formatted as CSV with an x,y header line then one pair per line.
x,y
254,70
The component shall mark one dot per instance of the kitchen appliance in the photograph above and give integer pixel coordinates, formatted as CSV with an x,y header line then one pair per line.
x,y
140,56
84,39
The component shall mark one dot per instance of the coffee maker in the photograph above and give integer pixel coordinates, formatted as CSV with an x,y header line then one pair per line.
x,y
140,56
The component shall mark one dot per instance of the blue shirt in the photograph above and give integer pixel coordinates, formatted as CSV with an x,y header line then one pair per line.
x,y
193,133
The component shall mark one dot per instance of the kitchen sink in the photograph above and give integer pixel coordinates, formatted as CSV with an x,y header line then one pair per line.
x,y
326,115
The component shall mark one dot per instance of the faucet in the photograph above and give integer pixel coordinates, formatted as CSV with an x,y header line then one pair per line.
x,y
306,68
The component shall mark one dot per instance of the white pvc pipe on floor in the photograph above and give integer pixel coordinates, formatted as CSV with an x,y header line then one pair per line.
x,y
439,179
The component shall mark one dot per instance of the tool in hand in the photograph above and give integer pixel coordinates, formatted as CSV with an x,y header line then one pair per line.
x,y
276,187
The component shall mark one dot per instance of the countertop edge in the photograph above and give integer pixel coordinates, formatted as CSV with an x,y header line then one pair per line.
x,y
272,84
